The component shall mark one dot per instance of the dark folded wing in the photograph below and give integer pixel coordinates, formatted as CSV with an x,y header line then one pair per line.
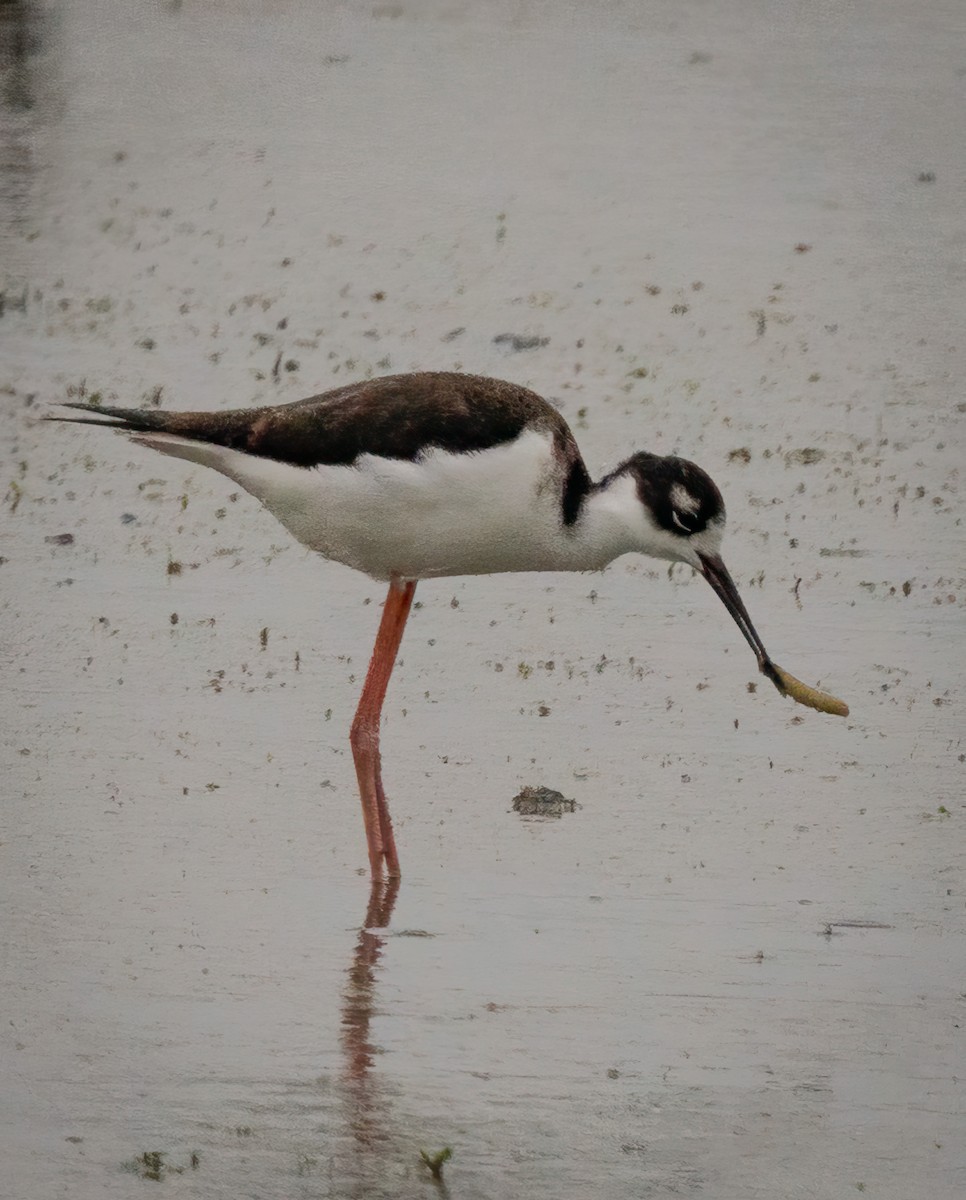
x,y
397,416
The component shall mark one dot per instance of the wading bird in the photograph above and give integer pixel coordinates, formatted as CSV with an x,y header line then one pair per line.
x,y
419,476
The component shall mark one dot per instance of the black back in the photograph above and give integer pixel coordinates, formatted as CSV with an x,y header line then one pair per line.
x,y
396,416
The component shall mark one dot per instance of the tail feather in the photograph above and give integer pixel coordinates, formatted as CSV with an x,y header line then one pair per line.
x,y
112,418
232,428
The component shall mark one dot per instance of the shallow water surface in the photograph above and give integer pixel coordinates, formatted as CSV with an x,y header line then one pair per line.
x,y
734,970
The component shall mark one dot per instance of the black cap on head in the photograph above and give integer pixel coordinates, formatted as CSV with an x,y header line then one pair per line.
x,y
683,498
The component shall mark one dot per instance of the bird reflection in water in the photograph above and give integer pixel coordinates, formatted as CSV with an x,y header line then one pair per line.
x,y
367,1117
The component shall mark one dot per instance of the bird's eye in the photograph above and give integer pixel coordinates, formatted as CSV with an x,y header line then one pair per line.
x,y
683,521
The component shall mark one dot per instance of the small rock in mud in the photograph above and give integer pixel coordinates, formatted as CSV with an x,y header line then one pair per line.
x,y
542,802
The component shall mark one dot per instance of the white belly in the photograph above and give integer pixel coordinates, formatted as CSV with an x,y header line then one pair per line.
x,y
448,514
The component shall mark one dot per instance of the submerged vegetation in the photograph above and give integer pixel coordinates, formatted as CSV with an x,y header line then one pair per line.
x,y
152,1164
435,1161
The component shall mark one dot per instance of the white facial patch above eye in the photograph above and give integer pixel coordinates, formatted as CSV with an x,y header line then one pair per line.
x,y
682,500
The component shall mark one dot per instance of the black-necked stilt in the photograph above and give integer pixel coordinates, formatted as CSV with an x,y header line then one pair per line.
x,y
418,476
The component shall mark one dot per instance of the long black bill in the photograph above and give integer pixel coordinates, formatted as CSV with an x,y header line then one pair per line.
x,y
718,576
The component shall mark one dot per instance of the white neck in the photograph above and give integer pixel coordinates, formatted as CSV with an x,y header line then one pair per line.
x,y
612,522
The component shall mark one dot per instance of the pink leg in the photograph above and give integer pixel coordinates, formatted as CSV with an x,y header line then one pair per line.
x,y
364,735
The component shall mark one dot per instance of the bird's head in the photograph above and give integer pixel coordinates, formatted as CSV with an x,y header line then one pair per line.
x,y
684,517
682,508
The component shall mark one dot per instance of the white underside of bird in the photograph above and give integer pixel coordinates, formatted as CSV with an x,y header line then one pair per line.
x,y
478,513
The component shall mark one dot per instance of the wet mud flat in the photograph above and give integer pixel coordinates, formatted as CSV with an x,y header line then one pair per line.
x,y
727,970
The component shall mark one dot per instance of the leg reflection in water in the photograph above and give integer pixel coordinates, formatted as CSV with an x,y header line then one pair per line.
x,y
368,1120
